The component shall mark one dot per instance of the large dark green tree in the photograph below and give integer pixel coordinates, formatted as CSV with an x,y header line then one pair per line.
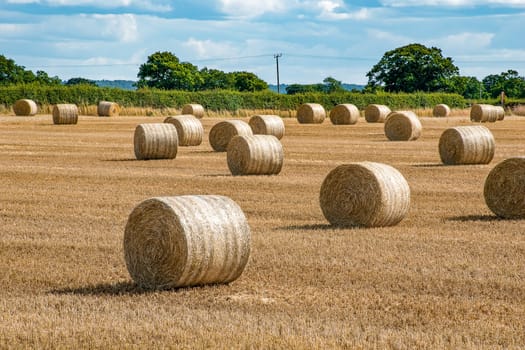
x,y
246,81
468,87
411,68
12,73
509,81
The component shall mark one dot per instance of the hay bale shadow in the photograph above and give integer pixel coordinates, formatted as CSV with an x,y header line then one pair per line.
x,y
469,218
317,227
116,289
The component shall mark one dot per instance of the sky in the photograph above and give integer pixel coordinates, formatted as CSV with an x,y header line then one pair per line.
x,y
110,39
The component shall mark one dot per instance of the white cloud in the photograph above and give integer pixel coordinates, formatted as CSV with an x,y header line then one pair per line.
x,y
209,48
453,3
142,4
122,27
463,42
251,8
335,10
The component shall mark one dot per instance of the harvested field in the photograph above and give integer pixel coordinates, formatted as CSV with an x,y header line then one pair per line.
x,y
450,275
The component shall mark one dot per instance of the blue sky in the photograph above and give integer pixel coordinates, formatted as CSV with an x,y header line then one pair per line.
x,y
109,39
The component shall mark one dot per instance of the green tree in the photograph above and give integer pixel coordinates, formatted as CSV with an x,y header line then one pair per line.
x,y
214,79
332,85
11,73
44,79
468,87
509,81
80,81
411,68
246,81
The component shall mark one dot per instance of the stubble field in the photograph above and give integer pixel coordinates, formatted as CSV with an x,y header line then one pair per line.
x,y
450,275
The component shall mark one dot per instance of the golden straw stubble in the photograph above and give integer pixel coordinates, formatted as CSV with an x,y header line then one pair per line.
x,y
187,240
473,144
267,124
504,189
255,155
364,194
222,133
402,126
344,114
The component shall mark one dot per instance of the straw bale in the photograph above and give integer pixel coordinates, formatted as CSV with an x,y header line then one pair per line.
x,y
483,113
255,155
25,107
194,109
346,114
267,125
504,189
375,113
364,194
402,126
466,145
65,114
189,129
441,110
311,113
222,132
182,241
155,141
500,111
108,109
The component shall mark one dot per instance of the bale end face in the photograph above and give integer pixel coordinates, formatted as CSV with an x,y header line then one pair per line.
x,y
311,113
108,109
194,109
375,113
344,114
267,125
222,133
441,110
25,107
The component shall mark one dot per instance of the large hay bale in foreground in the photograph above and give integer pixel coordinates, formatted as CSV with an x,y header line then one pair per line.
x,y
189,129
402,126
25,107
311,113
65,114
365,194
345,114
466,145
441,110
108,109
267,125
255,155
184,241
504,189
194,109
222,132
155,141
484,113
375,113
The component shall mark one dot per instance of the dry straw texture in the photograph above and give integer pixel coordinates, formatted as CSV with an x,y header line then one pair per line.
x,y
501,112
108,109
484,113
255,155
347,114
65,114
311,113
376,113
189,129
25,107
155,141
222,132
184,241
193,109
365,194
504,190
267,125
402,126
466,145
441,110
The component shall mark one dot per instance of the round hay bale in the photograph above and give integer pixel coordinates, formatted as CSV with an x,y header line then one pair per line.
x,y
466,145
500,111
310,113
193,109
255,155
364,194
441,110
65,114
267,125
345,114
155,141
483,113
504,189
189,129
25,107
182,241
108,109
402,126
222,132
376,113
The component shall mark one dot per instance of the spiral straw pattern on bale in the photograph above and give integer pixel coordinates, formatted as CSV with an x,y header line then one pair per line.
x,y
222,133
466,145
364,194
193,109
189,129
25,107
255,155
376,113
155,141
504,189
184,241
65,114
108,109
441,110
345,114
267,125
500,112
402,126
311,113
484,113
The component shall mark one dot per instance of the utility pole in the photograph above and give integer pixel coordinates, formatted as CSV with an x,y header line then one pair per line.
x,y
276,56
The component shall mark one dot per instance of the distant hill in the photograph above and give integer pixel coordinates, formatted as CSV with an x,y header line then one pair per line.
x,y
348,87
120,84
